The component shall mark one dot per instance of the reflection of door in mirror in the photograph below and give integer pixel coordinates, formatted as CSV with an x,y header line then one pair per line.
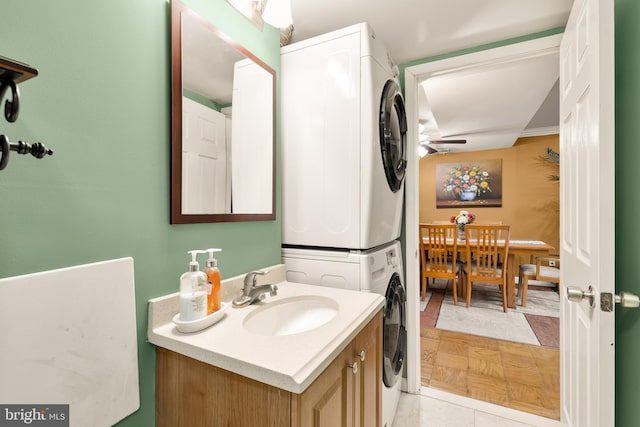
x,y
223,112
204,164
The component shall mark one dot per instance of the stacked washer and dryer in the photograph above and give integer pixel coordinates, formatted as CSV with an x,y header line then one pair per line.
x,y
343,163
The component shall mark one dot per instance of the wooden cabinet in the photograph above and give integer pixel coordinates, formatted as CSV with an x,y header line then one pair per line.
x,y
329,400
368,347
348,392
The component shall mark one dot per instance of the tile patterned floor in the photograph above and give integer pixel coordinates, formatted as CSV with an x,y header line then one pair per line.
x,y
438,410
518,376
513,375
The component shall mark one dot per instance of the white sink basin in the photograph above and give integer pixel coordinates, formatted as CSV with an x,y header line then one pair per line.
x,y
291,315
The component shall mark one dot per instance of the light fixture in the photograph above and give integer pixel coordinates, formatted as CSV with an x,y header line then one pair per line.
x,y
277,13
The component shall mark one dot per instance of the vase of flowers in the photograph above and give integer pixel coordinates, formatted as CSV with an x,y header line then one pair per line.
x,y
467,182
467,195
462,219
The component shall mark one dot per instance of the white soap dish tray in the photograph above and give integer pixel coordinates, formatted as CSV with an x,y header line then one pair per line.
x,y
200,324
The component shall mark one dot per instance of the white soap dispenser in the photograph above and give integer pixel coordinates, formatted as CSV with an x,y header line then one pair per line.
x,y
193,291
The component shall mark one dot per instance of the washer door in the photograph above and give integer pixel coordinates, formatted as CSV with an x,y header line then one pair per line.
x,y
394,332
393,134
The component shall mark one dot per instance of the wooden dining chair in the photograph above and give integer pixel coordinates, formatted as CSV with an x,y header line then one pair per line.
x,y
486,246
439,253
450,231
540,271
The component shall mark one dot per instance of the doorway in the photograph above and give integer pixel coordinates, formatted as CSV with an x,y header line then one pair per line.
x,y
514,375
413,76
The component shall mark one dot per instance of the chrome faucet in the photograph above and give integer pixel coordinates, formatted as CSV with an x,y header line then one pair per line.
x,y
252,293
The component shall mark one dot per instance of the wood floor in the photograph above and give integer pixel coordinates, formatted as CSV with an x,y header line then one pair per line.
x,y
518,376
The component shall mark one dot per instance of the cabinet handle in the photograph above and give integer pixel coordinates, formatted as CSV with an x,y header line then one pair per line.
x,y
354,367
362,355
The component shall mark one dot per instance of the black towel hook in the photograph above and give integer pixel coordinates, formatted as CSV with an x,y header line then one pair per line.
x,y
11,108
5,146
37,150
11,73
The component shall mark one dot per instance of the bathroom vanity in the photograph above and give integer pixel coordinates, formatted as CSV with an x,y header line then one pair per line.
x,y
236,374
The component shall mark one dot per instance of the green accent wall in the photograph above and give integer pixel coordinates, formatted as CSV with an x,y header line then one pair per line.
x,y
102,103
196,97
627,105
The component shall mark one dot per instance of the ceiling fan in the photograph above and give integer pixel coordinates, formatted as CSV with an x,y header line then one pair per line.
x,y
428,127
445,141
427,144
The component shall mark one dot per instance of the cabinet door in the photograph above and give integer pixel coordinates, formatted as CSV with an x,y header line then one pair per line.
x,y
368,352
344,396
191,393
328,401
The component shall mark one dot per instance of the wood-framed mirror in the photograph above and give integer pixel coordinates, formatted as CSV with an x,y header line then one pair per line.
x,y
222,126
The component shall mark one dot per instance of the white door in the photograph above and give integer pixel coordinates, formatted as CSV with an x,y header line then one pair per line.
x,y
252,159
587,213
204,163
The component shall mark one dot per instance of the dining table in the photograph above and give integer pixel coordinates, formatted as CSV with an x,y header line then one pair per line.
x,y
526,247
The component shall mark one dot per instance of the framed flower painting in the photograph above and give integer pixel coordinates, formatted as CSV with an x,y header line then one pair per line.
x,y
475,183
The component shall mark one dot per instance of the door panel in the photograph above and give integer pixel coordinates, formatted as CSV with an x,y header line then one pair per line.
x,y
204,168
329,399
587,213
368,350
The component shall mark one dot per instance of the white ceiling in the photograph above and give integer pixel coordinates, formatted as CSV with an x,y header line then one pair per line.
x,y
416,29
489,107
207,61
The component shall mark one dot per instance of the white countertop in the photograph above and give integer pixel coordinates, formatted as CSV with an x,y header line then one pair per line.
x,y
290,362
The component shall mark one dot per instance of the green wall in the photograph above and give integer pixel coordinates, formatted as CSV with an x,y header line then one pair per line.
x,y
196,97
627,34
102,103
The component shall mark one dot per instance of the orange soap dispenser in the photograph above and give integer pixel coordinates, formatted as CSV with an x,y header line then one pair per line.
x,y
213,287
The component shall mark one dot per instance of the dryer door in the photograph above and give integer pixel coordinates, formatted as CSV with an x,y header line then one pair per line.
x,y
394,332
393,134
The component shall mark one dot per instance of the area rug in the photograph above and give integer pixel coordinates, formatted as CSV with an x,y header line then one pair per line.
x,y
536,324
546,328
